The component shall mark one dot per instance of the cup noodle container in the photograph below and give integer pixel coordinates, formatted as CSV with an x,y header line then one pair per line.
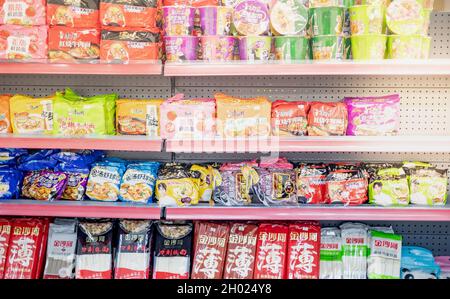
x,y
215,20
384,3
325,3
367,19
181,48
251,18
253,48
405,46
368,46
327,20
288,48
426,4
426,13
327,47
348,48
288,17
404,17
178,20
217,48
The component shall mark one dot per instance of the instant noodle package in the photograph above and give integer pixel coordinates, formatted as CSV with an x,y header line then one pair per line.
x,y
19,42
22,12
138,117
289,118
325,119
77,14
130,13
389,186
104,181
73,44
5,119
31,115
138,182
311,183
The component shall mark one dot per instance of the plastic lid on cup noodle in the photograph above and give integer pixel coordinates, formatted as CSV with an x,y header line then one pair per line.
x,y
288,17
404,17
251,17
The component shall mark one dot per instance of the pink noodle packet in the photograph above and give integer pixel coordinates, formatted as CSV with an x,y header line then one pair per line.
x,y
18,42
22,12
372,116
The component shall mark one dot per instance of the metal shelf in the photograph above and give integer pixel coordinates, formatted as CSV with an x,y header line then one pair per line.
x,y
89,209
243,68
311,212
120,143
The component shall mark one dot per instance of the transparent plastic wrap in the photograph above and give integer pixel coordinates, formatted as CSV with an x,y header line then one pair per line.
x,y
355,249
331,266
385,255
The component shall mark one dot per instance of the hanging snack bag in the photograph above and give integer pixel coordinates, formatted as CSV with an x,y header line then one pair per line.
x,y
311,183
128,44
177,187
276,185
208,178
428,186
389,186
188,119
22,43
240,117
331,266
129,13
138,182
289,118
22,12
303,255
31,115
104,181
27,239
5,119
5,234
385,255
271,251
240,259
327,119
10,182
347,187
78,14
47,185
133,249
62,241
234,183
172,250
138,117
355,249
94,249
373,116
66,44
210,248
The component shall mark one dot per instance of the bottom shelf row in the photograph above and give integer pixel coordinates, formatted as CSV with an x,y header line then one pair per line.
x,y
32,248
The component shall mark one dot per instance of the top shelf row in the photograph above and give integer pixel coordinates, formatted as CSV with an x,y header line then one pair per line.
x,y
383,67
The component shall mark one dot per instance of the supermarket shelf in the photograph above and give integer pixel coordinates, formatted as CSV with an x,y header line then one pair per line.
x,y
381,67
89,209
309,212
144,68
123,143
314,144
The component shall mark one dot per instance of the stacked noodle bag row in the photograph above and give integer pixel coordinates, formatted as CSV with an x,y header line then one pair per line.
x,y
110,30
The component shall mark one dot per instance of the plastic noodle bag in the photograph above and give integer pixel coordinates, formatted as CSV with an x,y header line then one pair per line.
x,y
9,156
10,182
5,119
289,118
389,186
385,255
138,182
418,263
428,186
104,181
5,234
347,187
311,183
31,115
138,117
208,179
331,266
355,249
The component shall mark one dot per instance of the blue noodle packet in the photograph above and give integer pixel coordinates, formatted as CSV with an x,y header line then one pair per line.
x,y
9,156
104,180
10,183
138,182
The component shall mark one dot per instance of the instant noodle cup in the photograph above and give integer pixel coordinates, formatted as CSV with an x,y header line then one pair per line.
x,y
178,20
138,117
348,48
404,17
251,17
367,19
324,3
215,20
384,3
368,46
124,45
73,44
22,12
327,47
181,48
426,13
5,120
195,3
31,115
20,42
255,47
426,4
288,17
327,20
404,46
426,45
78,14
217,48
130,13
289,48
346,26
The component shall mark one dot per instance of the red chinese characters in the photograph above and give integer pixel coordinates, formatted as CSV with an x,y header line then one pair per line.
x,y
240,258
210,248
5,232
303,251
271,251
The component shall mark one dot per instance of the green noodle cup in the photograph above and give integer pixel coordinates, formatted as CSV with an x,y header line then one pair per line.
x,y
348,48
404,46
426,14
426,4
327,47
367,19
327,20
384,3
426,46
404,17
289,48
368,46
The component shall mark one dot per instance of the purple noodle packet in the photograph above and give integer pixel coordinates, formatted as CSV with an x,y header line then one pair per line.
x,y
48,185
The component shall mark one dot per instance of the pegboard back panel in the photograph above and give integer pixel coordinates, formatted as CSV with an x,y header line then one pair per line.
x,y
440,34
